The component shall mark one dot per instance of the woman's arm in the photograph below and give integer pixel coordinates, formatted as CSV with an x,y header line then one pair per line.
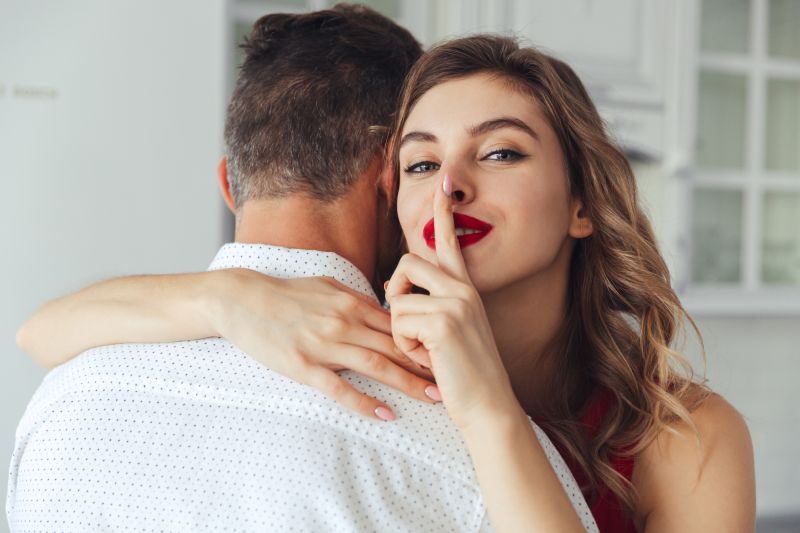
x,y
158,308
520,487
306,329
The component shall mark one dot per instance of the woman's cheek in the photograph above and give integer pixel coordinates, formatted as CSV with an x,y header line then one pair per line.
x,y
405,216
412,207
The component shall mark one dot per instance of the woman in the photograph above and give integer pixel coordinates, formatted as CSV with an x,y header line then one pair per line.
x,y
544,295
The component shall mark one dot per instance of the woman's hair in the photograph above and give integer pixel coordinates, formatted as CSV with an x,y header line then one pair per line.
x,y
623,318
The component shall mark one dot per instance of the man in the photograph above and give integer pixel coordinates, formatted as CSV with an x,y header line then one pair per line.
x,y
199,436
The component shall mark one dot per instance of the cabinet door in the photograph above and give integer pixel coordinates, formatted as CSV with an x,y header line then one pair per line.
x,y
617,46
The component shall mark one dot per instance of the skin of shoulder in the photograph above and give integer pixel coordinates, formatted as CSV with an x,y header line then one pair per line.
x,y
708,485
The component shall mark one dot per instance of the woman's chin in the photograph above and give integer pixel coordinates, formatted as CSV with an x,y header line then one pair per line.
x,y
484,280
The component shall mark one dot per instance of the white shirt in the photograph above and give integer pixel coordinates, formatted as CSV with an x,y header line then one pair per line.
x,y
198,436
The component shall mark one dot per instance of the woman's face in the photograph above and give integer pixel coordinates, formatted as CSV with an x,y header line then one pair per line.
x,y
511,191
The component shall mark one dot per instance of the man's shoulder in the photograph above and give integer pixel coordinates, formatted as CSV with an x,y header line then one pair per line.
x,y
160,368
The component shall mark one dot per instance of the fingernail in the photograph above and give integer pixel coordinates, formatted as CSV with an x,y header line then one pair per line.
x,y
384,414
447,185
432,392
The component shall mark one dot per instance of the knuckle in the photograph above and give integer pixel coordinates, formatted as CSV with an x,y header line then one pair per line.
x,y
337,388
300,367
347,303
465,292
407,259
460,309
364,403
408,382
374,362
332,326
446,324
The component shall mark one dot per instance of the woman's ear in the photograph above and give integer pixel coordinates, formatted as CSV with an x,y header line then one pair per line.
x,y
580,225
224,185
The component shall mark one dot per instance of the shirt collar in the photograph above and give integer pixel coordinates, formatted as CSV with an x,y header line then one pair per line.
x,y
280,262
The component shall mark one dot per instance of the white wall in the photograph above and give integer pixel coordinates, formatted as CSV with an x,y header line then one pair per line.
x,y
111,117
755,363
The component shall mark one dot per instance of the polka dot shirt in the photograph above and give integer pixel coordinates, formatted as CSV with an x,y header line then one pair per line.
x,y
197,436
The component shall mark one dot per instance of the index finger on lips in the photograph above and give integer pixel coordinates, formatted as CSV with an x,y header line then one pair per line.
x,y
448,251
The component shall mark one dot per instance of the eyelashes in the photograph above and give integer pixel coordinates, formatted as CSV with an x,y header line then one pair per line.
x,y
422,167
501,155
504,154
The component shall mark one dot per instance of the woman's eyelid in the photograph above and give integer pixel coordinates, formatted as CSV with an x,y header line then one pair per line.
x,y
503,145
419,159
515,153
412,165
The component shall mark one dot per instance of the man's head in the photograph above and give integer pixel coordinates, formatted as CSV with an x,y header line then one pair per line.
x,y
313,102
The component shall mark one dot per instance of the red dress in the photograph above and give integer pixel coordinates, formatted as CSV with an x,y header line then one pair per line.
x,y
607,510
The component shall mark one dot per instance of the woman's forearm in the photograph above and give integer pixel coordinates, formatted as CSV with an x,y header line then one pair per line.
x,y
520,488
159,308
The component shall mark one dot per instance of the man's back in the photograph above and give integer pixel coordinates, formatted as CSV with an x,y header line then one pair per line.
x,y
198,436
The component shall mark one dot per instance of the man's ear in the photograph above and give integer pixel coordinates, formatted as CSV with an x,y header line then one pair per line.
x,y
580,225
385,182
224,185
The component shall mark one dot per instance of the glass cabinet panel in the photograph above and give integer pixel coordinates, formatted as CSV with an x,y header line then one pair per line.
x,y
716,236
780,243
782,148
721,120
784,28
725,26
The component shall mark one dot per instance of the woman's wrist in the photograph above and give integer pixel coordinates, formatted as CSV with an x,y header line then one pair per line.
x,y
500,416
217,298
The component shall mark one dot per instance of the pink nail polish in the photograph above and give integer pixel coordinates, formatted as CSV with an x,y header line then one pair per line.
x,y
432,392
384,414
447,185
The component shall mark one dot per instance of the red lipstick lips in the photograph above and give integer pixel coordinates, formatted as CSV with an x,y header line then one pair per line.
x,y
475,229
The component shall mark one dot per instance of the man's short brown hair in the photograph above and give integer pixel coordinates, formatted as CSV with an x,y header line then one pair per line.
x,y
314,100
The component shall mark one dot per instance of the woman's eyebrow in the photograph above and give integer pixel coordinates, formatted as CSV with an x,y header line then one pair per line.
x,y
502,122
474,131
419,136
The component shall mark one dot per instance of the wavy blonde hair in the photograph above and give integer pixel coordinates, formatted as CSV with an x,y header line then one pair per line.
x,y
623,317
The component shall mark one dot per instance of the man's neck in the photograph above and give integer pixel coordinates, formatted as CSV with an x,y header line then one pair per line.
x,y
346,226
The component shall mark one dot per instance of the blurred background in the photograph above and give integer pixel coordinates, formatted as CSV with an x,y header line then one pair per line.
x,y
111,119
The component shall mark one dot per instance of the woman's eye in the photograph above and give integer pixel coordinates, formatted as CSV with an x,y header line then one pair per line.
x,y
503,154
422,167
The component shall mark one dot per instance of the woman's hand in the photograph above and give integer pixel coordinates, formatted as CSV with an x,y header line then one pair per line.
x,y
305,329
309,328
448,330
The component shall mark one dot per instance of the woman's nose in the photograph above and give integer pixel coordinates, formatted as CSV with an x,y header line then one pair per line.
x,y
463,189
